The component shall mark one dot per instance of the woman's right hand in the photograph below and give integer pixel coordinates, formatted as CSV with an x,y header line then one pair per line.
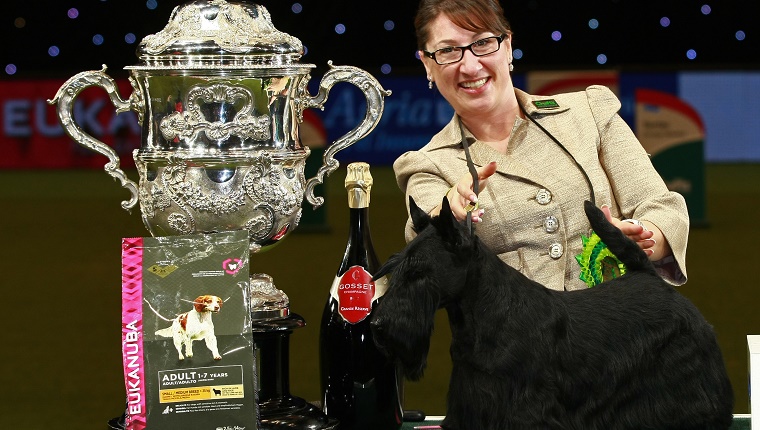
x,y
462,194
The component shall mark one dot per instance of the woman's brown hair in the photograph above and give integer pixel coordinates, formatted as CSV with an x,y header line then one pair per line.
x,y
473,15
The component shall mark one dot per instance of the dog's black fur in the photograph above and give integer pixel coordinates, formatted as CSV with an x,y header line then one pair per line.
x,y
631,353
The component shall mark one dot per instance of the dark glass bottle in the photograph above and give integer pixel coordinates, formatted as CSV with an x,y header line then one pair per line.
x,y
360,386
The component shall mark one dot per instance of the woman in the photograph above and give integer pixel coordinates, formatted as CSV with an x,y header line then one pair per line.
x,y
537,158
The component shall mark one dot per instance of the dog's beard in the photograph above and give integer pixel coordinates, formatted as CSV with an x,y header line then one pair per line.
x,y
402,325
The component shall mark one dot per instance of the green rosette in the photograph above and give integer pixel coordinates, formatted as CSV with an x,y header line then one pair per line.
x,y
598,263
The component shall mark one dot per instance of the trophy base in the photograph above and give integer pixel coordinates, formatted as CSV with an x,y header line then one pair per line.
x,y
293,413
117,423
259,315
278,409
267,302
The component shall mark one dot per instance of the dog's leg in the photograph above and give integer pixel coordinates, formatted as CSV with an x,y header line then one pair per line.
x,y
189,347
178,345
211,344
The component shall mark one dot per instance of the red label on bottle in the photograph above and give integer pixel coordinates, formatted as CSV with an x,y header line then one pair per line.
x,y
355,293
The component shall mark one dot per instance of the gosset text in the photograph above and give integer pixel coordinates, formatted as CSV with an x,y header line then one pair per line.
x,y
355,286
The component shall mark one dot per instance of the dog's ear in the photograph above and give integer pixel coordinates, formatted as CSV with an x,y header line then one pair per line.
x,y
450,228
199,303
420,219
446,213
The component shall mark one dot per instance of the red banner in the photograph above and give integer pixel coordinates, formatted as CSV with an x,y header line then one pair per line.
x,y
32,136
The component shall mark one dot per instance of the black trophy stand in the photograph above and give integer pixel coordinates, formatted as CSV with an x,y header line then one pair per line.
x,y
278,409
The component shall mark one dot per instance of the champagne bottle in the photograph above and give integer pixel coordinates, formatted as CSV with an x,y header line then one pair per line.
x,y
360,386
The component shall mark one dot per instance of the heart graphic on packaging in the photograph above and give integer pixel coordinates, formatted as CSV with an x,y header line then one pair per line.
x,y
231,265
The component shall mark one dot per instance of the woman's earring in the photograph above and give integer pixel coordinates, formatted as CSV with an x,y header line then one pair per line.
x,y
511,67
430,84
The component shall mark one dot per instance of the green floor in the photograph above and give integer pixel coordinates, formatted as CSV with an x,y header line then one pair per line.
x,y
60,277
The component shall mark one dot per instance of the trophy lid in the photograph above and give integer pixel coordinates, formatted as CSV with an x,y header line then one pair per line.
x,y
219,34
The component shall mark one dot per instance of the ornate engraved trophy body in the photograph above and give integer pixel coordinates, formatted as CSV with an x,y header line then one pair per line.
x,y
219,93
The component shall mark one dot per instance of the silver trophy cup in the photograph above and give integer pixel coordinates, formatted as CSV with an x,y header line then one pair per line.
x,y
220,94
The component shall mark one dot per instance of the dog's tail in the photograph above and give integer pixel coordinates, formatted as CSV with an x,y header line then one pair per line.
x,y
634,258
165,332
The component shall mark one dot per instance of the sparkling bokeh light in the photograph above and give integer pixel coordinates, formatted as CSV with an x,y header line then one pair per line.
x,y
48,36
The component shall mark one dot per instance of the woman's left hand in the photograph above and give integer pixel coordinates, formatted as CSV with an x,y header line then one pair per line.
x,y
646,235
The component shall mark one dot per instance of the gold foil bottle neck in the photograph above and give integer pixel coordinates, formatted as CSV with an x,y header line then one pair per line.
x,y
358,185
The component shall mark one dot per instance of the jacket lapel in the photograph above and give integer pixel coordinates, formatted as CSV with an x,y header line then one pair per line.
x,y
510,166
516,164
546,110
551,114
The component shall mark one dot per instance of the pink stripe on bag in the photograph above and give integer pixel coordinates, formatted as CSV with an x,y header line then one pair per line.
x,y
131,331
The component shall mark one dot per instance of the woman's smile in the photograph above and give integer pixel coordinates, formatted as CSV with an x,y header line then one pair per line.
x,y
474,84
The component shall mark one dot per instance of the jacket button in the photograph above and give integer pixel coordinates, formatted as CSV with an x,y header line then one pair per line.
x,y
543,196
556,250
551,224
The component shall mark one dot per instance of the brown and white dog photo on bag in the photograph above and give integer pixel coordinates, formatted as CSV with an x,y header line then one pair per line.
x,y
195,324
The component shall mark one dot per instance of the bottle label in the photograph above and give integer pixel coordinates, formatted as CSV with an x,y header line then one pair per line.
x,y
355,292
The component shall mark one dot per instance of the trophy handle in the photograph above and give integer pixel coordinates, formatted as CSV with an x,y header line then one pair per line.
x,y
64,98
374,93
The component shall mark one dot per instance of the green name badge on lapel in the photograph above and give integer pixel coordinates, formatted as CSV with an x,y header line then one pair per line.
x,y
546,104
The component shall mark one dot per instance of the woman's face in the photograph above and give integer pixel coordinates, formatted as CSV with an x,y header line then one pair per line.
x,y
474,85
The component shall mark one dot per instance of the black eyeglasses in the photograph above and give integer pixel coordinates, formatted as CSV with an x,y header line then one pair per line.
x,y
453,54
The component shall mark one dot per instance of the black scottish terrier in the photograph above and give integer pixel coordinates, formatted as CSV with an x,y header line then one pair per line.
x,y
631,353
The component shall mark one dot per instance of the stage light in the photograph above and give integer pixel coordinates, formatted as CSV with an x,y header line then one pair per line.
x,y
97,39
77,23
385,68
601,59
691,54
10,69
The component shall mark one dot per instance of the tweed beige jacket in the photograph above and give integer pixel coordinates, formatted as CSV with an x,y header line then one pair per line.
x,y
533,204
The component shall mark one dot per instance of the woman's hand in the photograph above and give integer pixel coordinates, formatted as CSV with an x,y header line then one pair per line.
x,y
647,235
462,198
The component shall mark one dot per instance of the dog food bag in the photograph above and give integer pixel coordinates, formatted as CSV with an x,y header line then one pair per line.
x,y
186,333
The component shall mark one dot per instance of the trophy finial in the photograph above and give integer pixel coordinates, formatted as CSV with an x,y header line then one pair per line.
x,y
212,29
